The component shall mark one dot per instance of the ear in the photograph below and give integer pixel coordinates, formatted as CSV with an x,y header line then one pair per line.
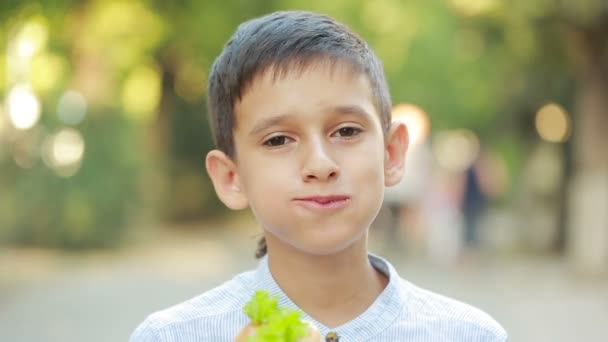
x,y
397,142
222,171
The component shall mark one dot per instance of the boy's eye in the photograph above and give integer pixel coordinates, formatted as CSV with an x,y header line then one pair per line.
x,y
348,131
276,141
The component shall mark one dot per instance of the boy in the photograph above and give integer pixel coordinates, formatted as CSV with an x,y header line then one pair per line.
x,y
300,112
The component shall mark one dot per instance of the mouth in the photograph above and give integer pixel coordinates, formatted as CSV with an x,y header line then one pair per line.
x,y
323,202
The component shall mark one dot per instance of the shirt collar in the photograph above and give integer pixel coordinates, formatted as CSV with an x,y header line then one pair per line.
x,y
377,318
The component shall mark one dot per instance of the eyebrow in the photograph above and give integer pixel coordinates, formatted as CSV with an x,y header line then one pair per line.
x,y
276,120
354,110
269,122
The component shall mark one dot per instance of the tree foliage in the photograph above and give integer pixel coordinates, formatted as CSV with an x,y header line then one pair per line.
x,y
142,67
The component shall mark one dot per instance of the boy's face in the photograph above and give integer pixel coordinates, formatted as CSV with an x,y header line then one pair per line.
x,y
311,157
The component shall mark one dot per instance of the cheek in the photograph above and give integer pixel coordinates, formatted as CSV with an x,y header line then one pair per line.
x,y
368,165
267,173
266,183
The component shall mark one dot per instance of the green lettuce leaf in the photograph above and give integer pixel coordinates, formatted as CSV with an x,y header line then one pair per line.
x,y
274,324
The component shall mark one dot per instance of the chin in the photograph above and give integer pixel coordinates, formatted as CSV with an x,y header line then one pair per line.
x,y
328,246
315,239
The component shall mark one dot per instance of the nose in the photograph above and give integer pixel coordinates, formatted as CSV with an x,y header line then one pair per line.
x,y
318,164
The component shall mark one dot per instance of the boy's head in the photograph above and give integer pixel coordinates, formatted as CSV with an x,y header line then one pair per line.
x,y
300,112
284,42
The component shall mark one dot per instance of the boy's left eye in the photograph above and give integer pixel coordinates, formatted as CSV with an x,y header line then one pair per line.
x,y
348,131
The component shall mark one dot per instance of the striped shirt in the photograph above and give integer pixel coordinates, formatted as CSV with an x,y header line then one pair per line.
x,y
402,312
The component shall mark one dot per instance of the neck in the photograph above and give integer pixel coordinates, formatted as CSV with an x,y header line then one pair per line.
x,y
333,289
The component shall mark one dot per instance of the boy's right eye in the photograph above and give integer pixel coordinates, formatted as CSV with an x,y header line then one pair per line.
x,y
278,140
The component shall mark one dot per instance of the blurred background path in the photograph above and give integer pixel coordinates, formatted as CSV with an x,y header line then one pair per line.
x,y
49,296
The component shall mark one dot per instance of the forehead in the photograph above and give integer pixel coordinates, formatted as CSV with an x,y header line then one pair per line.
x,y
304,89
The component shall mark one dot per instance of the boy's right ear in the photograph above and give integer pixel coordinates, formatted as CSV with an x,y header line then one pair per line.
x,y
223,174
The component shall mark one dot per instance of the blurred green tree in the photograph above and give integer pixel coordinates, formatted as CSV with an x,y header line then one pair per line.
x,y
558,51
142,68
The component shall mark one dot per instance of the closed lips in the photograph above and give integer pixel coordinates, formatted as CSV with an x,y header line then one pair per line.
x,y
324,199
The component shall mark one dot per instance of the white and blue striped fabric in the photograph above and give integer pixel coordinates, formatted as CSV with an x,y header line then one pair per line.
x,y
402,312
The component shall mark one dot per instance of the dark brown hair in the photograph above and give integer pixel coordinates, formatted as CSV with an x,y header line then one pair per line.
x,y
285,42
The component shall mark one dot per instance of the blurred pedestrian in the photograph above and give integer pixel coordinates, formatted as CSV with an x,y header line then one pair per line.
x,y
403,201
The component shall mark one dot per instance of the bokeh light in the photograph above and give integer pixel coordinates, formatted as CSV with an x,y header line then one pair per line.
x,y
63,152
456,150
553,123
474,7
141,93
23,107
32,37
72,107
111,23
46,71
416,120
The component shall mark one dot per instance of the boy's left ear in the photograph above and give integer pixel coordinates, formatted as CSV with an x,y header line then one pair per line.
x,y
397,142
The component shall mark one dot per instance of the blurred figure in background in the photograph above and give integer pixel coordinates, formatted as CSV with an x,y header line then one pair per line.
x,y
474,203
456,201
403,201
444,218
483,181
